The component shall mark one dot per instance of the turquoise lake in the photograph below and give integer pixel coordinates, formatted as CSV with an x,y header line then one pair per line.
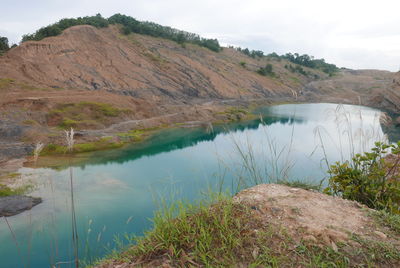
x,y
116,191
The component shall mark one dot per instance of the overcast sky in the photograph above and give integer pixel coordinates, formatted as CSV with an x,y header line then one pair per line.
x,y
350,33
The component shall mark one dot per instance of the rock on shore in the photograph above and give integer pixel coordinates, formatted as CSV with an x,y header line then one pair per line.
x,y
13,205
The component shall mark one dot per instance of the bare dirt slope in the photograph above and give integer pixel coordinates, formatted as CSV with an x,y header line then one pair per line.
x,y
151,78
84,57
374,88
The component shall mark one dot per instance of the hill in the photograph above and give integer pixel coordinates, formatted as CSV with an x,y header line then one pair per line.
x,y
104,81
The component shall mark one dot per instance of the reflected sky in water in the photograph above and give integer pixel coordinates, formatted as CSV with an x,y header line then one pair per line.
x,y
116,191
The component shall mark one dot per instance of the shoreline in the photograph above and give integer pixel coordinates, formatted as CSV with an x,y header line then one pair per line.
x,y
13,165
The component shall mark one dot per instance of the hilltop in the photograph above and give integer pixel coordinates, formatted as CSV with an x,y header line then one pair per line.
x,y
110,81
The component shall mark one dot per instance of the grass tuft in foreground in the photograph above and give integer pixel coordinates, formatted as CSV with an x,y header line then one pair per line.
x,y
229,234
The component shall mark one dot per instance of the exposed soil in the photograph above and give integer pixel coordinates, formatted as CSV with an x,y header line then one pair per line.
x,y
309,215
158,81
290,227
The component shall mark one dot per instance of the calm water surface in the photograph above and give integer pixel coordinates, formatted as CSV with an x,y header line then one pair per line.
x,y
115,191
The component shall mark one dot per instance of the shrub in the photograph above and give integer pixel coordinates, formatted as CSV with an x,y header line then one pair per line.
x,y
4,45
131,25
57,28
371,178
84,115
267,70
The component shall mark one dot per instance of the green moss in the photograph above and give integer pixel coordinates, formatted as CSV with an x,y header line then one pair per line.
x,y
52,149
29,122
84,114
132,135
102,144
68,123
138,135
155,58
235,114
7,191
14,175
6,82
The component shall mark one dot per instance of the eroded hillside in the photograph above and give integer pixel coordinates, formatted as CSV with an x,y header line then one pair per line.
x,y
99,79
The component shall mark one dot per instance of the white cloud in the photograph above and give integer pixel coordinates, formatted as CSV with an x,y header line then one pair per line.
x,y
355,34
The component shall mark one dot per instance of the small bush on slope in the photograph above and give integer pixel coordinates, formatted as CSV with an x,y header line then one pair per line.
x,y
370,178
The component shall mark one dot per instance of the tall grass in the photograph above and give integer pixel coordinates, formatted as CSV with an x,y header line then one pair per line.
x,y
275,164
69,137
275,167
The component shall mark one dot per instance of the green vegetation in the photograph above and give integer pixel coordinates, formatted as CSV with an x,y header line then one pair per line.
x,y
6,82
137,135
296,69
274,56
301,184
222,233
105,143
83,114
130,25
251,53
392,221
30,122
234,113
7,191
369,178
210,236
132,135
57,28
242,63
303,60
266,71
310,62
4,47
370,253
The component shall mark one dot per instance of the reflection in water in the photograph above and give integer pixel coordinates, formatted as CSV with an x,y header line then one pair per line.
x,y
173,139
115,189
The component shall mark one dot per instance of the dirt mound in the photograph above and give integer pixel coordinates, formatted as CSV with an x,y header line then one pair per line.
x,y
306,214
271,226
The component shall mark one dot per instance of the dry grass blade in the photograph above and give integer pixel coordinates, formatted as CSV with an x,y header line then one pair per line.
x,y
36,152
69,137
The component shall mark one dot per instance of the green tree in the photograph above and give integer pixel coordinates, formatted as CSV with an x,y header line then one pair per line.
x,y
4,44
